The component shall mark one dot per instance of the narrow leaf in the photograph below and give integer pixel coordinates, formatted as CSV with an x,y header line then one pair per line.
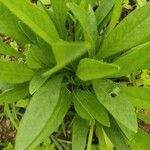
x,y
80,132
132,31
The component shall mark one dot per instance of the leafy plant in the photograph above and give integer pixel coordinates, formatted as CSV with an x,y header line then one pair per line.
x,y
74,60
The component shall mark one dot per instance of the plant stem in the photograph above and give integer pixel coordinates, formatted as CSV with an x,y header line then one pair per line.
x,y
89,145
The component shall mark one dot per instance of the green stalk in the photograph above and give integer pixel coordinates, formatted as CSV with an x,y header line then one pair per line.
x,y
90,138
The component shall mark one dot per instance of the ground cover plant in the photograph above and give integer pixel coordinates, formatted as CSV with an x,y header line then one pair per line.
x,y
74,74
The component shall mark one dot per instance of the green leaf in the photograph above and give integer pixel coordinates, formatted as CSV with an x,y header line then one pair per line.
x,y
9,25
37,81
116,13
66,52
43,105
138,96
7,50
146,65
60,12
140,141
103,10
80,132
31,61
42,55
87,20
91,105
136,56
118,105
28,32
115,135
14,73
132,31
27,13
15,94
101,137
89,69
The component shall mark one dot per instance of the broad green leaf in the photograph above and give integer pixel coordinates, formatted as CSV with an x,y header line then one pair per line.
x,y
43,104
116,13
138,96
60,12
15,94
87,20
89,69
80,132
140,141
92,106
27,13
65,53
103,10
136,56
115,135
36,82
132,31
118,105
7,50
14,73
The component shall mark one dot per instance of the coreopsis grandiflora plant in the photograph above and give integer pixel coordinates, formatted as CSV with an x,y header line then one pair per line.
x,y
77,59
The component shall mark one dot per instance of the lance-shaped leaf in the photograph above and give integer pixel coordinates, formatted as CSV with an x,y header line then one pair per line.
x,y
33,17
60,12
103,10
115,135
136,56
36,82
43,105
89,69
65,53
138,96
7,50
87,20
92,106
132,31
80,132
15,94
116,103
117,9
9,25
14,73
